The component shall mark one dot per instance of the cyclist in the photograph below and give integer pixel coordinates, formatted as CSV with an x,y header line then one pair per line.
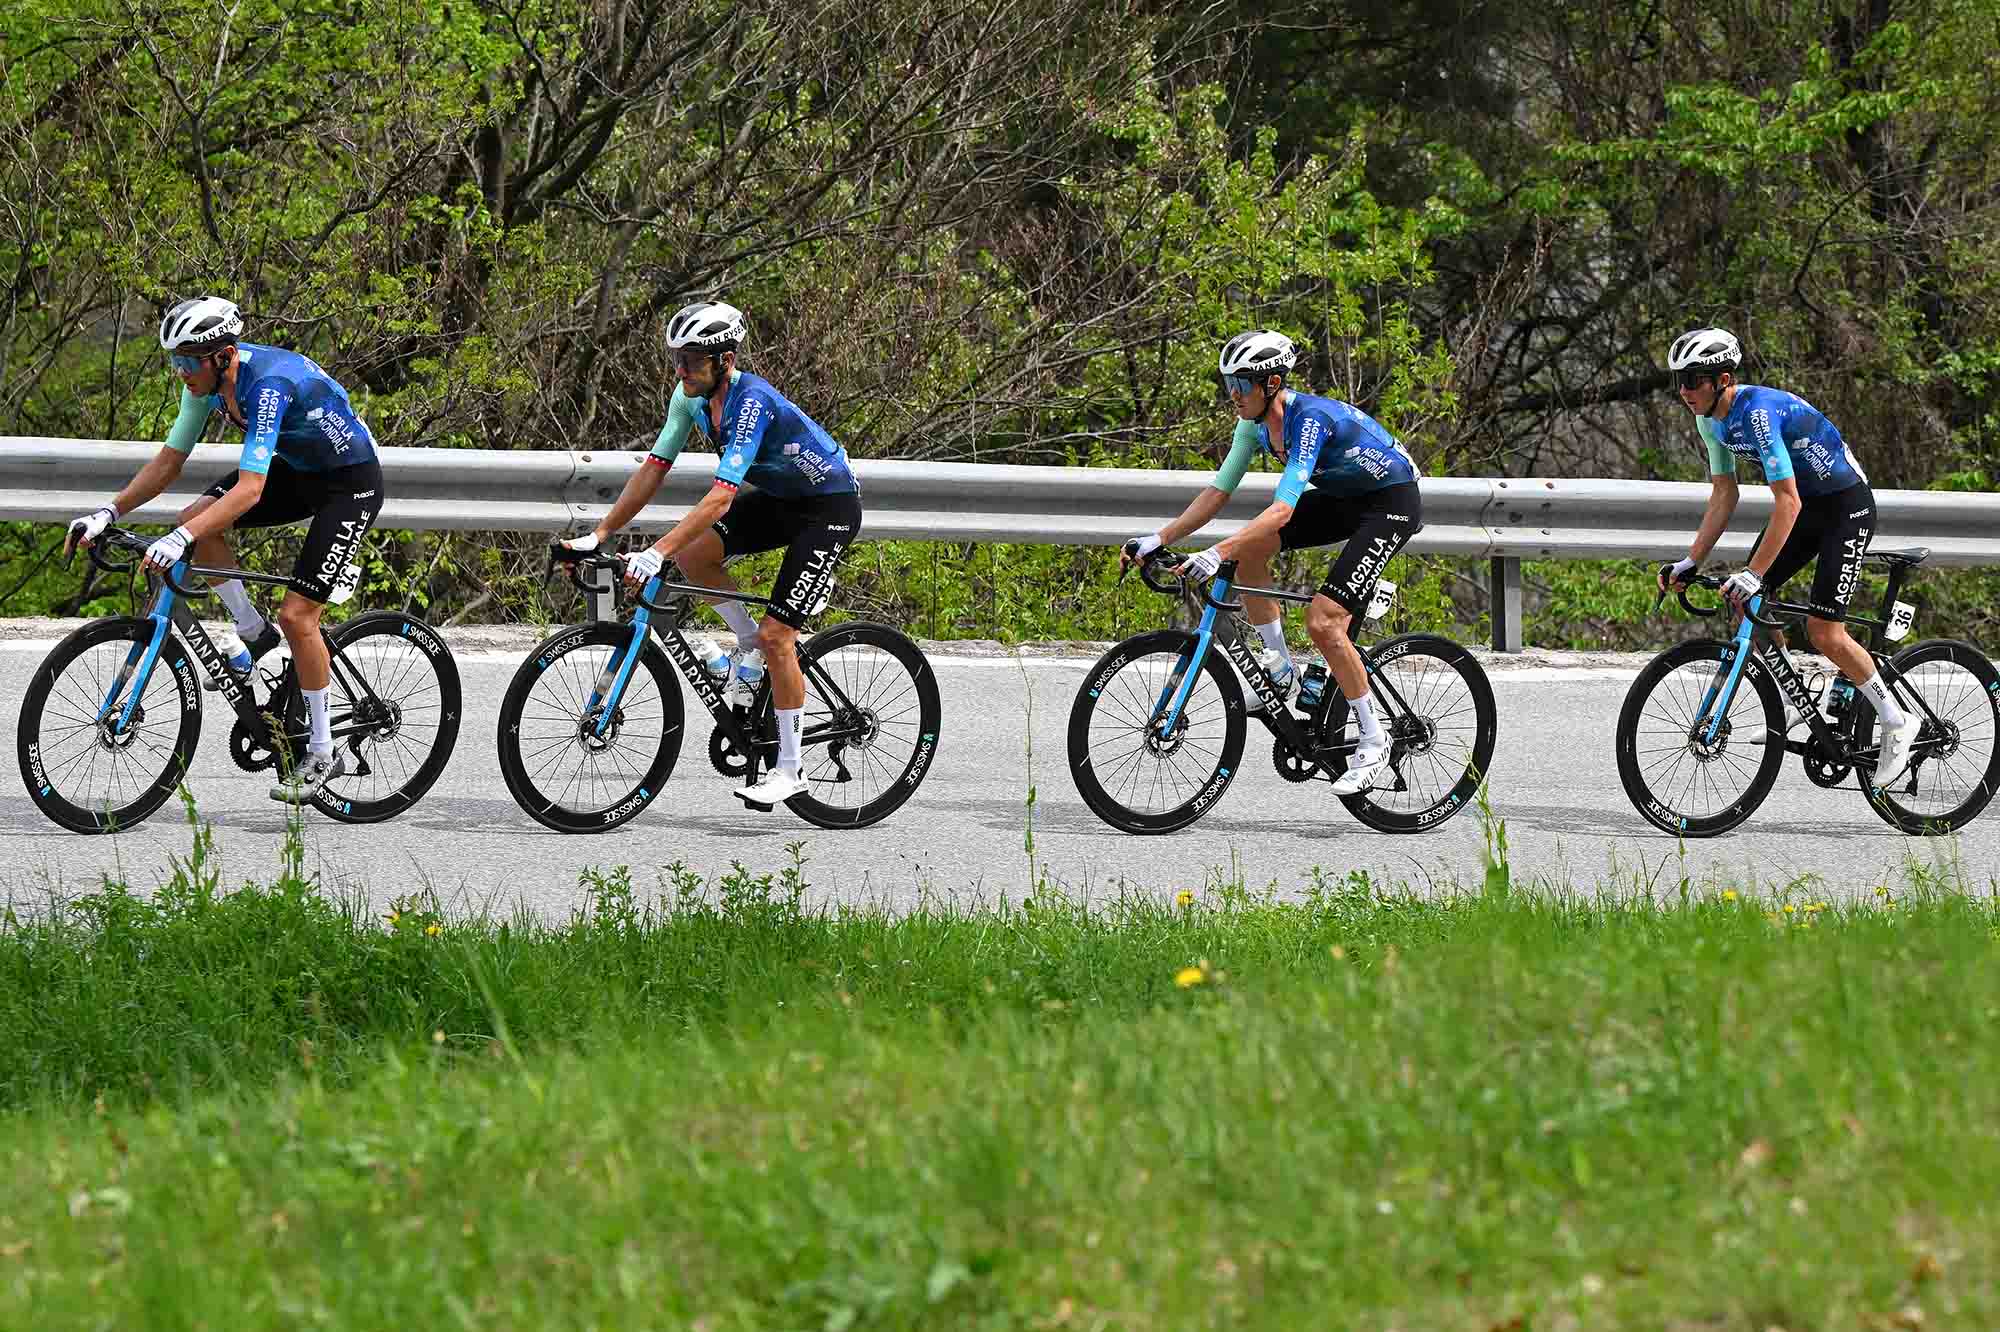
x,y
1822,508
1346,478
806,500
306,454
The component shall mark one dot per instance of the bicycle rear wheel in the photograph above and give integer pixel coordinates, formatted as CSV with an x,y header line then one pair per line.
x,y
559,766
1134,777
1956,767
1684,780
871,724
82,772
1441,738
400,738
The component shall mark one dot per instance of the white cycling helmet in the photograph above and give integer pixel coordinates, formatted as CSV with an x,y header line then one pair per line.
x,y
200,325
1257,354
713,326
1705,349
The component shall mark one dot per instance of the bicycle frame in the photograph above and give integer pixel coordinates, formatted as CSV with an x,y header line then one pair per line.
x,y
1277,718
1837,744
610,685
170,611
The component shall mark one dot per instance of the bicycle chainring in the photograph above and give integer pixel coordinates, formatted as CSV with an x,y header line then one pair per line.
x,y
1292,765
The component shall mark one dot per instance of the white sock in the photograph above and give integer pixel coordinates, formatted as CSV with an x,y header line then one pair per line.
x,y
791,723
249,620
737,616
1885,703
1274,638
322,730
1364,717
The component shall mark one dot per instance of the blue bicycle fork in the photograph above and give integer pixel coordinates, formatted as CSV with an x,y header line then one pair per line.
x,y
1726,687
622,661
162,617
1182,684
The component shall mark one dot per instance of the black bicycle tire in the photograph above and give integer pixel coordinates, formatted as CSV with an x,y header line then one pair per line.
x,y
1486,736
899,788
1650,806
451,704
1981,789
179,665
513,769
1081,766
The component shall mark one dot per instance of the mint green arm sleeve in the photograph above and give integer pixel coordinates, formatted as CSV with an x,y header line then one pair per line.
x,y
674,434
190,423
1721,462
1242,448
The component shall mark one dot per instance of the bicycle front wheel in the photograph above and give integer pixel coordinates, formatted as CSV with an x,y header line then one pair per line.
x,y
1133,772
1438,711
394,706
572,763
1955,768
1685,776
870,725
84,771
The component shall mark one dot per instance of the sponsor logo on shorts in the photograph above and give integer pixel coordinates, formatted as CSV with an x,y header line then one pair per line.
x,y
1397,517
1861,513
1365,573
808,595
364,494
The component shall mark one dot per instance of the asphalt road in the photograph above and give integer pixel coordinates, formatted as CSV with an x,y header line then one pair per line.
x,y
965,836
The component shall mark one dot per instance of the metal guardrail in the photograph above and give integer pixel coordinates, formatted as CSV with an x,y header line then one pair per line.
x,y
1503,520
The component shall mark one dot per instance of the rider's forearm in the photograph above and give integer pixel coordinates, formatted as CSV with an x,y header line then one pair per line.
x,y
1195,517
1714,519
639,490
160,471
702,517
1266,524
220,516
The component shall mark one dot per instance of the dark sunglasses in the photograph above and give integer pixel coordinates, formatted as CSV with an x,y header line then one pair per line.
x,y
1242,384
188,365
1688,379
689,360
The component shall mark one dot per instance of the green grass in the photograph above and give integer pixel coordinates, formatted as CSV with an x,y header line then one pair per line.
x,y
716,1106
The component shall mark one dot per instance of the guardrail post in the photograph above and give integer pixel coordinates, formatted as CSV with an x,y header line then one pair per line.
x,y
1506,584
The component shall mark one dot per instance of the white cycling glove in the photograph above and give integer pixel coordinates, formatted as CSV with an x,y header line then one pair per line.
x,y
91,526
168,550
1682,567
1201,564
1742,585
1139,547
643,566
584,544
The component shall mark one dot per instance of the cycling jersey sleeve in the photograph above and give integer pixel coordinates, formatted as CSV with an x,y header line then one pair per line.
x,y
1771,450
674,434
1721,462
746,437
1305,458
268,400
1242,448
193,419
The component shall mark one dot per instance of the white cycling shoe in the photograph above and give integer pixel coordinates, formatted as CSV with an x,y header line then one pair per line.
x,y
1899,743
313,772
1364,769
775,789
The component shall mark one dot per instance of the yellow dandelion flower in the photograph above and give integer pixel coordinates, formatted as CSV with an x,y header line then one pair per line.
x,y
1789,908
1184,898
393,917
433,930
1187,977
1729,894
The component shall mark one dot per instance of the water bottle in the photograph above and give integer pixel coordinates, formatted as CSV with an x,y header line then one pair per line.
x,y
1311,686
749,669
711,656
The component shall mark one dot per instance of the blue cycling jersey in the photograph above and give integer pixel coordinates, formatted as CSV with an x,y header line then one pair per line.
x,y
1788,437
770,442
294,410
1328,444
